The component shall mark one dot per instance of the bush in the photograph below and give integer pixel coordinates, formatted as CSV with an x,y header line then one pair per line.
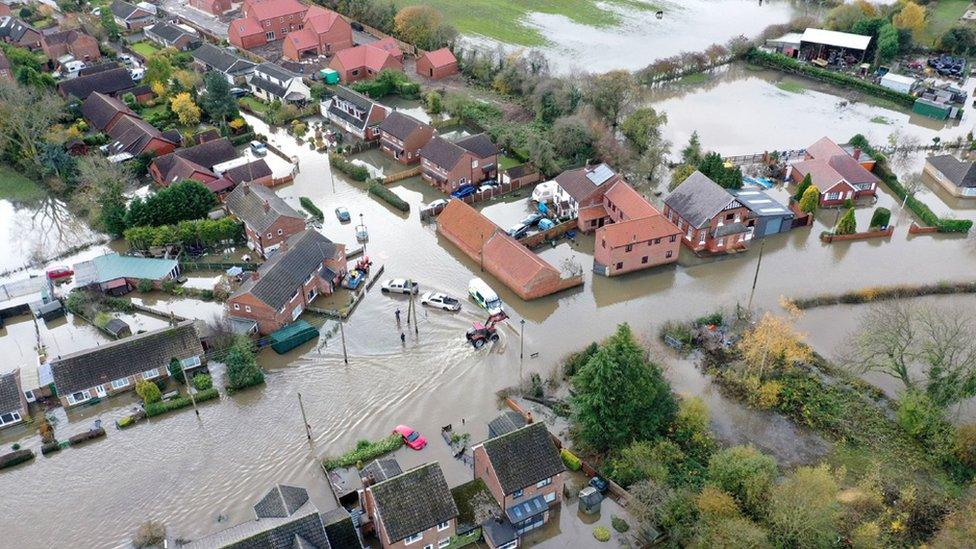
x,y
388,82
576,361
572,462
150,533
148,392
91,434
601,533
355,172
376,188
965,446
678,332
16,458
144,285
619,524
158,408
880,218
919,416
50,447
745,473
311,208
365,450
242,367
202,382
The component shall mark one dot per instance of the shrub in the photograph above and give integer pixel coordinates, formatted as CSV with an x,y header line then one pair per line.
x,y
91,434
365,450
678,332
242,368
144,285
150,533
619,524
158,408
355,172
745,473
377,188
148,392
847,223
601,533
880,218
572,462
918,415
16,458
202,382
311,208
965,446
803,510
388,82
707,320
576,361
50,447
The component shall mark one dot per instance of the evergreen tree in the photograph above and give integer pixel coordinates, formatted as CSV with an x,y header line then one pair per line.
x,y
242,368
810,199
692,153
807,181
218,102
847,223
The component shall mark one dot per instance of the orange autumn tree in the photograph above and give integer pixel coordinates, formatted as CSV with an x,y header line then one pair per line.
x,y
773,341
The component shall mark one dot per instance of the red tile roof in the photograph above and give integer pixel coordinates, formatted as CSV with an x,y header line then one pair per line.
x,y
466,224
824,148
303,39
247,26
320,19
522,267
630,201
638,230
363,56
389,45
440,58
271,9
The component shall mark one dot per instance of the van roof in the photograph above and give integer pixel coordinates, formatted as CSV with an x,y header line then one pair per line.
x,y
481,287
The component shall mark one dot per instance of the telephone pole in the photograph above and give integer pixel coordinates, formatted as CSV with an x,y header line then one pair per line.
x,y
342,333
521,348
308,428
755,278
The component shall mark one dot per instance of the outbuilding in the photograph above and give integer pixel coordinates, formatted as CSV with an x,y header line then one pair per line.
x,y
898,82
830,46
771,216
437,64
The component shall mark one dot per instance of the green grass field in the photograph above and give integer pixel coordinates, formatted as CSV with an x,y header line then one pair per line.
x,y
17,188
942,16
501,19
144,49
791,87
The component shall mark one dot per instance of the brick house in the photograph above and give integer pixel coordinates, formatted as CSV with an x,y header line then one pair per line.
x,y
579,195
268,220
132,136
840,173
467,161
213,7
524,472
75,42
273,82
169,35
103,111
365,61
709,217
323,32
636,236
437,64
402,136
355,113
194,163
116,367
114,81
412,509
305,266
235,69
129,16
13,402
20,34
265,21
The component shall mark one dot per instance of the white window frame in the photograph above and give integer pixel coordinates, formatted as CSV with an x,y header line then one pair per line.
x,y
191,362
413,538
237,306
86,396
544,482
550,497
443,526
247,308
120,383
443,543
150,374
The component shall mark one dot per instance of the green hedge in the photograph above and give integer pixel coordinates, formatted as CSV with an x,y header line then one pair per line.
x,y
377,188
91,434
309,206
365,451
16,458
919,208
572,462
788,64
243,139
388,82
357,173
158,408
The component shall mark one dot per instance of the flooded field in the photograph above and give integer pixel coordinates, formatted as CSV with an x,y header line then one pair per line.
x,y
38,231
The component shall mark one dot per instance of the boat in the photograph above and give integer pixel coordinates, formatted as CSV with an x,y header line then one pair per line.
x,y
353,279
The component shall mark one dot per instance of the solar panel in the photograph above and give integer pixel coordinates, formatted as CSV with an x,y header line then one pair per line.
x,y
600,174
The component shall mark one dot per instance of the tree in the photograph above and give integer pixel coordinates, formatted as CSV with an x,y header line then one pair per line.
x,y
803,510
433,102
611,93
844,17
912,183
958,40
100,192
918,415
112,31
148,392
158,70
847,224
773,341
542,154
653,158
620,396
680,173
713,166
643,460
186,110
810,199
422,26
911,17
184,200
745,473
692,153
802,187
176,369
242,368
643,126
880,218
887,43
26,116
571,138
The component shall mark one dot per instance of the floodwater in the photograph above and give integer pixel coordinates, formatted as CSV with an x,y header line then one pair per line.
x,y
36,232
202,475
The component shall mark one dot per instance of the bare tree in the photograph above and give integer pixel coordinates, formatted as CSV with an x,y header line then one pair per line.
x,y
26,115
913,183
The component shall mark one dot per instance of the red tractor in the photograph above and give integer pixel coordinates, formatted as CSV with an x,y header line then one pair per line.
x,y
479,334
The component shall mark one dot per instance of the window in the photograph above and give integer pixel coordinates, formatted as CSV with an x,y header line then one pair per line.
x,y
355,72
672,238
269,235
247,308
269,35
644,260
443,526
191,362
78,397
149,374
550,497
279,232
729,217
668,254
412,538
620,265
237,306
629,247
13,417
544,482
517,494
443,543
474,164
120,383
658,240
429,546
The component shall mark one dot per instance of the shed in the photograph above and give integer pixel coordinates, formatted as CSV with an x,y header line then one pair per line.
x,y
292,335
118,328
771,216
329,76
898,82
821,41
49,311
931,109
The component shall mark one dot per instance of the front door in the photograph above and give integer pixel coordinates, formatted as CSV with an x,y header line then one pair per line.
x,y
100,391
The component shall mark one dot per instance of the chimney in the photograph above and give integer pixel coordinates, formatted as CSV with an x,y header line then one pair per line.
x,y
247,188
266,206
255,275
857,153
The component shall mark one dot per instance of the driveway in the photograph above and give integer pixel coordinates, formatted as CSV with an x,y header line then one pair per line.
x,y
181,9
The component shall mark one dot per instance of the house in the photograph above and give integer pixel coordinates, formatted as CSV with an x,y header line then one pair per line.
x,y
957,177
579,194
13,402
770,216
323,32
168,35
304,266
635,234
129,16
194,163
355,113
114,81
20,34
212,58
268,220
102,111
523,471
118,274
516,266
5,73
74,42
402,136
213,7
437,64
132,136
272,82
115,367
414,507
285,518
265,21
709,217
840,174
240,170
467,161
365,61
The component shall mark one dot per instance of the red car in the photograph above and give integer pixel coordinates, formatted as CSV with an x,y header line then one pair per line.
x,y
411,438
59,272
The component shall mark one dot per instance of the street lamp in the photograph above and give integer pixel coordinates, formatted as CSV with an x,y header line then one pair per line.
x,y
362,225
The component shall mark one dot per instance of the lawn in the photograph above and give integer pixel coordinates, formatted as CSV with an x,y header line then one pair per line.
x,y
502,19
941,17
18,188
256,105
506,162
791,87
144,49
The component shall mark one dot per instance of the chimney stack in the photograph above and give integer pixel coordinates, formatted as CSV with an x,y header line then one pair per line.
x,y
255,275
247,188
267,206
857,153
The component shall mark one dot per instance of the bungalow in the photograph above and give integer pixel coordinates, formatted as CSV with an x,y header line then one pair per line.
x,y
213,7
102,111
523,471
13,403
132,136
74,42
957,177
129,16
323,32
355,113
115,367
114,81
415,507
265,21
365,61
467,161
272,82
305,266
212,58
840,174
118,274
402,136
437,64
194,163
168,35
268,220
286,517
20,34
710,218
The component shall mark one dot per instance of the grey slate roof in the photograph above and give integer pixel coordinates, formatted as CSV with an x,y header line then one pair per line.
x,y
249,172
414,501
222,60
124,10
167,32
505,423
10,394
205,155
381,469
125,357
960,173
354,97
400,125
14,29
281,501
286,271
524,457
698,199
578,182
275,71
340,529
359,100
442,153
99,109
302,530
110,82
268,86
247,203
479,145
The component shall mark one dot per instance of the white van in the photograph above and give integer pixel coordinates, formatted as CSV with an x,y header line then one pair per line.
x,y
484,296
72,68
544,192
137,73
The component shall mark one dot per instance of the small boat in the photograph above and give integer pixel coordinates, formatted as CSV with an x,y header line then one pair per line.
x,y
361,233
353,279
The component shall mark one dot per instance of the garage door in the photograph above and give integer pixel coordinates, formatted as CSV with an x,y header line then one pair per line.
x,y
773,226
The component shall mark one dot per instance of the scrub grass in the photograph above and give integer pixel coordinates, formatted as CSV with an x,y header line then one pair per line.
x,y
693,79
365,451
880,120
16,187
506,162
144,49
791,87
942,16
502,20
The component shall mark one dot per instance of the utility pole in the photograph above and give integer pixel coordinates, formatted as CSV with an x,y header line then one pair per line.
x,y
342,333
308,428
187,382
521,348
413,307
755,279
363,225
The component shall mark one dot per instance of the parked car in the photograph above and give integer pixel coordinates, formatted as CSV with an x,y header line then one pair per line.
x,y
127,59
518,231
259,148
600,484
400,286
343,214
484,296
137,73
56,273
238,92
464,191
411,438
486,187
440,301
436,204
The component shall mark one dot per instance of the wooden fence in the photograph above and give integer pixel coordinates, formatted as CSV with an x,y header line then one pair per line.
x,y
401,175
215,266
496,191
755,158
539,238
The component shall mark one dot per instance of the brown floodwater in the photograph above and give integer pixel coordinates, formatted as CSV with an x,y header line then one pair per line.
x,y
202,475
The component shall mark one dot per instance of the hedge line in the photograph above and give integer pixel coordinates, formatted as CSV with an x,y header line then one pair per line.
x,y
788,64
377,188
91,434
158,408
16,458
882,293
309,206
919,208
365,451
357,173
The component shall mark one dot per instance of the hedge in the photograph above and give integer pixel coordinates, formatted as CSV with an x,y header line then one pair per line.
x,y
365,451
243,139
387,82
883,293
159,408
51,447
357,173
788,64
309,206
378,189
919,208
16,458
86,436
572,462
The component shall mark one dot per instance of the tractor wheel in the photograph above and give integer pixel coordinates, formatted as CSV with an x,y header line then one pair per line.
x,y
494,337
478,343
384,290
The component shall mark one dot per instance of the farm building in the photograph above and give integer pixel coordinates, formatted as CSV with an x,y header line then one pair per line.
x,y
118,274
898,82
771,217
825,45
